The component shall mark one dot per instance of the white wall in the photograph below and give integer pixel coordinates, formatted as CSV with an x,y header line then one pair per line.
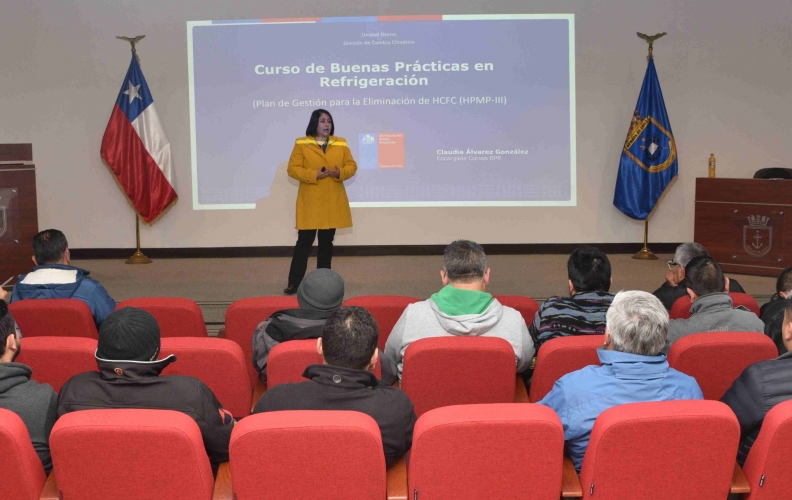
x,y
725,69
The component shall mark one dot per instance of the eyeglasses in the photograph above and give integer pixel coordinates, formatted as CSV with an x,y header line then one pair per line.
x,y
18,332
672,264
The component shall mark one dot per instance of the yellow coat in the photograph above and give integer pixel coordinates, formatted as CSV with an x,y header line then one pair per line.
x,y
322,204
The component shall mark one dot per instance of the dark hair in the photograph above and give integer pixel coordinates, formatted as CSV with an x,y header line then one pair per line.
x,y
464,261
49,246
349,337
704,276
589,270
313,123
784,281
6,325
788,311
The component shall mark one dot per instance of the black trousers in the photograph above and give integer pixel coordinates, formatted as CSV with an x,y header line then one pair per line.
x,y
302,250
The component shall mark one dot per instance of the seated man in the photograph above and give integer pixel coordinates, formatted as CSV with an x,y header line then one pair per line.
x,y
712,309
54,278
344,382
319,294
760,387
129,377
461,308
583,312
772,313
633,371
36,404
675,285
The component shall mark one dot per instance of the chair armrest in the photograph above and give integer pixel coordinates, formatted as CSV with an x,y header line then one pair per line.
x,y
739,482
570,483
520,393
50,491
397,480
222,487
258,391
221,333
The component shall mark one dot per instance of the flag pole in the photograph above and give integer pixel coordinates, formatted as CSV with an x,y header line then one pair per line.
x,y
139,257
645,253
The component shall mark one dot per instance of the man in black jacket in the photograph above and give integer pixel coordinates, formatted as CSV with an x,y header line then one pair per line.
x,y
344,382
760,387
676,285
129,377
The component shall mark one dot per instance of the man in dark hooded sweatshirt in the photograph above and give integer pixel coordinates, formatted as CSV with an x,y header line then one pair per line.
x,y
36,404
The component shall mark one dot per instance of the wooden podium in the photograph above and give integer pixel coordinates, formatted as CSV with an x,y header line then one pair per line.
x,y
746,224
18,209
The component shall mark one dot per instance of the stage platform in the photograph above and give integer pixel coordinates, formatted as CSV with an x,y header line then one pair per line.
x,y
216,283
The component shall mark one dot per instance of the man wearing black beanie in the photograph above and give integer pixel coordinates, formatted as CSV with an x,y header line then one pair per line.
x,y
129,377
36,404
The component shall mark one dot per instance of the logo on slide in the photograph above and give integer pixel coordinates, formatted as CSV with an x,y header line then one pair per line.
x,y
367,139
381,150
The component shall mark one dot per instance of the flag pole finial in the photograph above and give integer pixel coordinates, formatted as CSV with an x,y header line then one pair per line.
x,y
132,41
649,39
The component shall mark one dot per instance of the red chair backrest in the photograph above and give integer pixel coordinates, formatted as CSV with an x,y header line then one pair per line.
x,y
487,451
218,363
101,454
54,360
767,465
307,454
23,474
716,359
54,318
386,309
445,371
669,449
242,318
560,356
681,307
176,317
525,305
288,360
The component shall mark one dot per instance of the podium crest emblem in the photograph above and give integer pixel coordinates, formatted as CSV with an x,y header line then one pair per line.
x,y
757,236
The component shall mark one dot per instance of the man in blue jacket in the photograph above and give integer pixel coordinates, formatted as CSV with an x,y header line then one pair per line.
x,y
53,277
634,370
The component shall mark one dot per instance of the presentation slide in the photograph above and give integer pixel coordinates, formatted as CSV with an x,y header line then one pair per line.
x,y
437,110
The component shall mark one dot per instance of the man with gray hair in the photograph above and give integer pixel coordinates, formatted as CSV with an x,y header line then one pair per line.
x,y
675,285
634,370
461,308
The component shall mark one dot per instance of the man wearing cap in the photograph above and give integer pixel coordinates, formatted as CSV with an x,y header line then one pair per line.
x,y
129,377
319,294
36,404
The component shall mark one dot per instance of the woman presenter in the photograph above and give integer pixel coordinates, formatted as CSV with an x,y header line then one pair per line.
x,y
321,162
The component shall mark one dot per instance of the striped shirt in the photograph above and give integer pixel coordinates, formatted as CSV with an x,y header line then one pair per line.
x,y
581,314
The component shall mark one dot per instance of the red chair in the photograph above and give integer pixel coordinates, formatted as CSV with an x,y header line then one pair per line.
x,y
669,449
141,454
681,308
767,465
386,309
716,359
307,454
487,451
23,474
54,318
54,360
445,371
560,356
288,361
176,317
242,318
218,363
525,305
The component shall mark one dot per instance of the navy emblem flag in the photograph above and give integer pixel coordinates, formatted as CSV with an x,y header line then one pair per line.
x,y
649,160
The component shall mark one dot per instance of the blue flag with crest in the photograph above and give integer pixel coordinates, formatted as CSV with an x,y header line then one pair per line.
x,y
649,159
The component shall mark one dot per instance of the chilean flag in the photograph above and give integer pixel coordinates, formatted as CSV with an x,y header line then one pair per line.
x,y
136,149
